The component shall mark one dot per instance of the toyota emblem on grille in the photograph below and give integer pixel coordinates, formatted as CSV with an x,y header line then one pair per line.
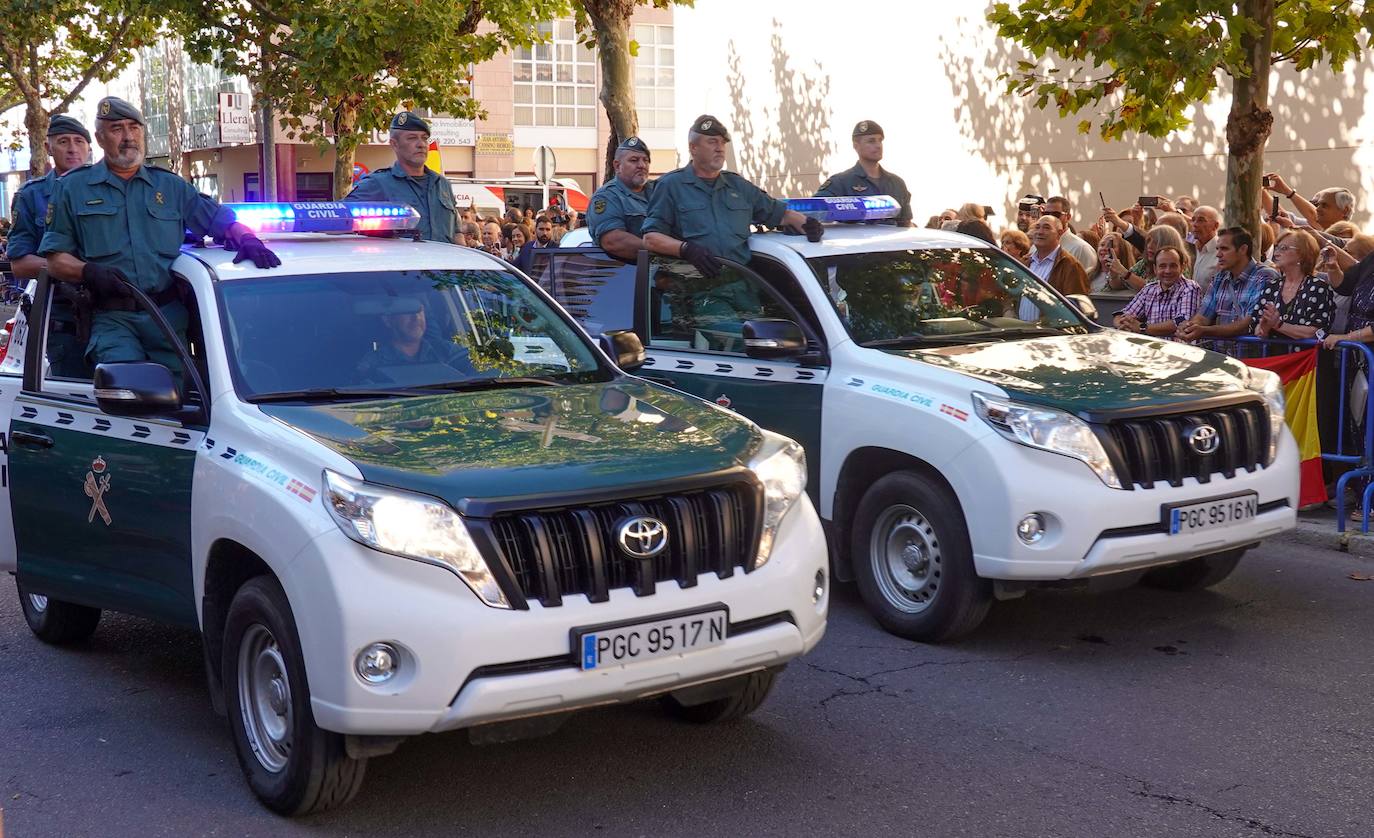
x,y
643,537
1204,439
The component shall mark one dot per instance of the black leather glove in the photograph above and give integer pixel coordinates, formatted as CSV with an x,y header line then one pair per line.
x,y
701,258
813,229
104,281
251,247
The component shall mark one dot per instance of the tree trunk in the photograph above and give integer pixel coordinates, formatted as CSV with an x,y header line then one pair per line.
x,y
36,120
611,21
346,140
1249,123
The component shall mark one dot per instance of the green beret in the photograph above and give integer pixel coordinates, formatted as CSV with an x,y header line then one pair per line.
x,y
633,144
710,127
114,108
64,124
866,127
409,121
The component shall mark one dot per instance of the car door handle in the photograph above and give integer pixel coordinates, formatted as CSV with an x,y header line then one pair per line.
x,y
32,440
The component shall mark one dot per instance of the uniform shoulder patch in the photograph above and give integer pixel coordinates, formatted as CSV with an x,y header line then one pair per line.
x,y
599,206
47,217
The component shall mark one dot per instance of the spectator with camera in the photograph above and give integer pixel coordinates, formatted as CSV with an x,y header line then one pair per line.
x,y
1114,258
1163,306
1335,203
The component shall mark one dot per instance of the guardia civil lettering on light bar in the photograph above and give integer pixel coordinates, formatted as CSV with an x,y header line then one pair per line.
x,y
847,208
325,217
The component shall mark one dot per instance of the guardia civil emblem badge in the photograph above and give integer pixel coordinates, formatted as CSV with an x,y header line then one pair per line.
x,y
97,486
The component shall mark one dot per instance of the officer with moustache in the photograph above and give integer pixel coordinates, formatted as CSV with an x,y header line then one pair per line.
x,y
619,206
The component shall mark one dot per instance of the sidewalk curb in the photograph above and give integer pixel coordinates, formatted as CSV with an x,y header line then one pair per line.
x,y
1322,533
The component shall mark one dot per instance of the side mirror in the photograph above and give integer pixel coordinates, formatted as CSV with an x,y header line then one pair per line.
x,y
769,339
624,347
136,388
1085,306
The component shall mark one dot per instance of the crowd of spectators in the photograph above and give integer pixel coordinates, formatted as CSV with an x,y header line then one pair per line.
x,y
513,236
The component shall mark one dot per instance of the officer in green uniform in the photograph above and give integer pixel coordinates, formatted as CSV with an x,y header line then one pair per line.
x,y
702,213
619,206
408,181
120,221
407,345
867,178
69,144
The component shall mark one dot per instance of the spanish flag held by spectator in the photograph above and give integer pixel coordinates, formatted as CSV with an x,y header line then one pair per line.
x,y
1298,372
432,160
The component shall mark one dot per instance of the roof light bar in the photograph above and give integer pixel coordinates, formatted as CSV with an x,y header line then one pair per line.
x,y
325,217
848,208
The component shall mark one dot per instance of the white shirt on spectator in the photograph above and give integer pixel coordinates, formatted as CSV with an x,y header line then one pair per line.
x,y
1028,310
1085,253
1205,264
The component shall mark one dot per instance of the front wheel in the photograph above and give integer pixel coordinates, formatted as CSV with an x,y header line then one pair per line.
x,y
57,622
747,694
1194,574
293,766
913,561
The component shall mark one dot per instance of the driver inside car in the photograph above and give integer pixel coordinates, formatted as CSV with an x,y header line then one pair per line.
x,y
405,344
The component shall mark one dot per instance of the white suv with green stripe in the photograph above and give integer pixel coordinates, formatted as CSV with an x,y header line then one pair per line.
x,y
969,432
398,491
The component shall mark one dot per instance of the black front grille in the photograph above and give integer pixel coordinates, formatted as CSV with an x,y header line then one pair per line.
x,y
553,553
1155,449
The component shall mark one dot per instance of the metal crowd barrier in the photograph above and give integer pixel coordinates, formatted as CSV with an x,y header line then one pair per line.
x,y
1353,357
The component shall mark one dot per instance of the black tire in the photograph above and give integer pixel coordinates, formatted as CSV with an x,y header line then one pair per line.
x,y
57,622
936,594
1194,574
302,769
748,694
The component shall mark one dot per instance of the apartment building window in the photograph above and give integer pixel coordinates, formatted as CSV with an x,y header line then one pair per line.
x,y
555,82
654,75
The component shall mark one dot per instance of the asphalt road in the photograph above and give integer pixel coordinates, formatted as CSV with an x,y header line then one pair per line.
x,y
1243,711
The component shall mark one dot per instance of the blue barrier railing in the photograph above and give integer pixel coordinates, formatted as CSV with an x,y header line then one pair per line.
x,y
1353,357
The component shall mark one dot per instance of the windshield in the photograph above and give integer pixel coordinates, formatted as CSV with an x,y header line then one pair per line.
x,y
945,295
397,331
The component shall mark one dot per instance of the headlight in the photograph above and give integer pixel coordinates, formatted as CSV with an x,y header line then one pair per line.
x,y
780,465
1268,384
412,526
1048,430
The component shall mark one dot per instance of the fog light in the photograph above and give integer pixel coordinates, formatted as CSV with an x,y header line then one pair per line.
x,y
378,663
1031,529
818,593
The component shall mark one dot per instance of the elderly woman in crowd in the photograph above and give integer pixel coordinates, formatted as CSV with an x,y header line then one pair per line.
x,y
1297,303
1017,244
1164,304
1114,258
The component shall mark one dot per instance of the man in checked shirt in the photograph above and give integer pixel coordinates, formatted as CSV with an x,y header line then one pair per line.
x,y
1162,306
1238,283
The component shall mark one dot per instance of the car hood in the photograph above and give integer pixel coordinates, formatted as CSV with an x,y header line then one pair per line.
x,y
529,441
1107,370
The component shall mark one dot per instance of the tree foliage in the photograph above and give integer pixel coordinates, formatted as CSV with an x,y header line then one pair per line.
x,y
1142,64
337,70
51,50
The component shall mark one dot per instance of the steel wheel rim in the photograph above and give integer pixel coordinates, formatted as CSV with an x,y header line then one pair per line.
x,y
906,559
38,603
265,698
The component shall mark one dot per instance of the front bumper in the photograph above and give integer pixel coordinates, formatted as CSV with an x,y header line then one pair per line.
x,y
464,663
1093,529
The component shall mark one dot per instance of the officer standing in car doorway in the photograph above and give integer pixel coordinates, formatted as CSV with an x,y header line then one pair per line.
x,y
120,221
619,206
69,145
868,178
702,213
409,181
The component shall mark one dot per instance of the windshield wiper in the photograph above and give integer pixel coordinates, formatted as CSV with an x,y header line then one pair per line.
x,y
335,394
492,383
895,343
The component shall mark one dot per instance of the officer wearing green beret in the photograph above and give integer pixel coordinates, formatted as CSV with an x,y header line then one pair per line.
x,y
619,206
867,178
409,182
69,144
702,213
120,222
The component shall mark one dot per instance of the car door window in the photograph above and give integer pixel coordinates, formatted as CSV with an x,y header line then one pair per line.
x,y
690,311
67,332
596,289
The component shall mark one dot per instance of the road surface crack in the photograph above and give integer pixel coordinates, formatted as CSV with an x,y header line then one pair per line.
x,y
1253,823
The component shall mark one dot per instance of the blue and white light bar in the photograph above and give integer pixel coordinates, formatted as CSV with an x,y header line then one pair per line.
x,y
325,217
847,208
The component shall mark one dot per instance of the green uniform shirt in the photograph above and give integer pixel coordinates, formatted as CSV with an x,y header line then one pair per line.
x,y
853,182
137,226
431,194
432,351
28,212
616,206
715,213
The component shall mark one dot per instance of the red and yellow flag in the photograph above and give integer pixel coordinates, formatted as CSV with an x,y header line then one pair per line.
x,y
1298,371
433,160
